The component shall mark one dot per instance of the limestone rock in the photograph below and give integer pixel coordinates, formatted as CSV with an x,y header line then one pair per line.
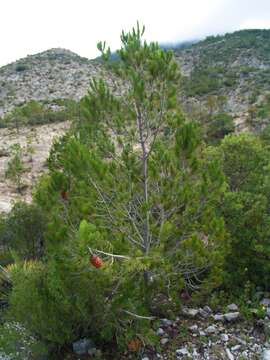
x,y
232,316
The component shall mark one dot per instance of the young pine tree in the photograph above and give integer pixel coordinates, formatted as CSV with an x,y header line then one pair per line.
x,y
135,169
15,167
139,193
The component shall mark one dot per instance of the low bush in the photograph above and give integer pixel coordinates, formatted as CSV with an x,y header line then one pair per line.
x,y
35,113
22,232
219,126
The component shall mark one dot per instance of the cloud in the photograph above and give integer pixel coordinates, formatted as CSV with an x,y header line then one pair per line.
x,y
31,26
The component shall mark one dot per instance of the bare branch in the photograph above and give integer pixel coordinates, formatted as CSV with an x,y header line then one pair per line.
x,y
139,316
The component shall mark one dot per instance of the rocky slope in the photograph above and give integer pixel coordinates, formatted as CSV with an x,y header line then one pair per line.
x,y
53,74
197,333
234,68
228,73
34,160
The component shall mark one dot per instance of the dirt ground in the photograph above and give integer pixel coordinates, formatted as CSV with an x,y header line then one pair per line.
x,y
35,143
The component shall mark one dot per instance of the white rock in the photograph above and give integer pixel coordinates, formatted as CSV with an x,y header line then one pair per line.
x,y
242,342
164,341
82,346
193,328
229,354
232,316
224,337
207,309
256,348
195,354
211,330
160,332
190,312
166,322
245,354
183,351
4,357
236,348
265,302
266,354
218,317
232,307
203,313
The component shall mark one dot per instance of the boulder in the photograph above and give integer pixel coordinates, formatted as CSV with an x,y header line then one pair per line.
x,y
82,346
229,355
193,328
266,354
160,332
232,316
191,313
232,307
164,341
208,309
184,351
218,317
224,337
265,302
211,330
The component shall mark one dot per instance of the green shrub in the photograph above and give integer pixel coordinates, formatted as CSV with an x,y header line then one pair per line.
x,y
35,113
22,231
220,125
247,220
245,162
15,167
21,67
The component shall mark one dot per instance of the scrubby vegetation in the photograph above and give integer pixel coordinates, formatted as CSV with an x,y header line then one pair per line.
x,y
137,209
38,113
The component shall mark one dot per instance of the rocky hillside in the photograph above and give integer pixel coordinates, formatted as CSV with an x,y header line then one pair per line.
x,y
47,78
53,74
223,74
39,141
230,72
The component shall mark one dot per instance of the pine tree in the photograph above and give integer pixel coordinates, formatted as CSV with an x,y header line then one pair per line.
x,y
15,167
129,183
137,159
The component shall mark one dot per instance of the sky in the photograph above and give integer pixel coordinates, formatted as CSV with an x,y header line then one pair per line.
x,y
31,26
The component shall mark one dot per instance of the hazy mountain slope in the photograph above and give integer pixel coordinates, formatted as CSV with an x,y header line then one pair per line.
x,y
235,66
53,74
229,73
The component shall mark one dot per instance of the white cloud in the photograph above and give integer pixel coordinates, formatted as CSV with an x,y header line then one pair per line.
x,y
30,26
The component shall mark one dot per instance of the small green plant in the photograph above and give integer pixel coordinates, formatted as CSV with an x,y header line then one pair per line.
x,y
15,167
30,150
22,233
219,126
21,67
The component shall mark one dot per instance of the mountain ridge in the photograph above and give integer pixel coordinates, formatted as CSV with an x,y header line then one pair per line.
x,y
235,66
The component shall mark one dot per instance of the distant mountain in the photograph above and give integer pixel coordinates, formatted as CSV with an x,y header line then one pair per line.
x,y
223,74
232,70
235,67
53,74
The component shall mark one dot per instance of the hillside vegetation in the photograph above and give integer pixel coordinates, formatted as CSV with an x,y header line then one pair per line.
x,y
231,72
